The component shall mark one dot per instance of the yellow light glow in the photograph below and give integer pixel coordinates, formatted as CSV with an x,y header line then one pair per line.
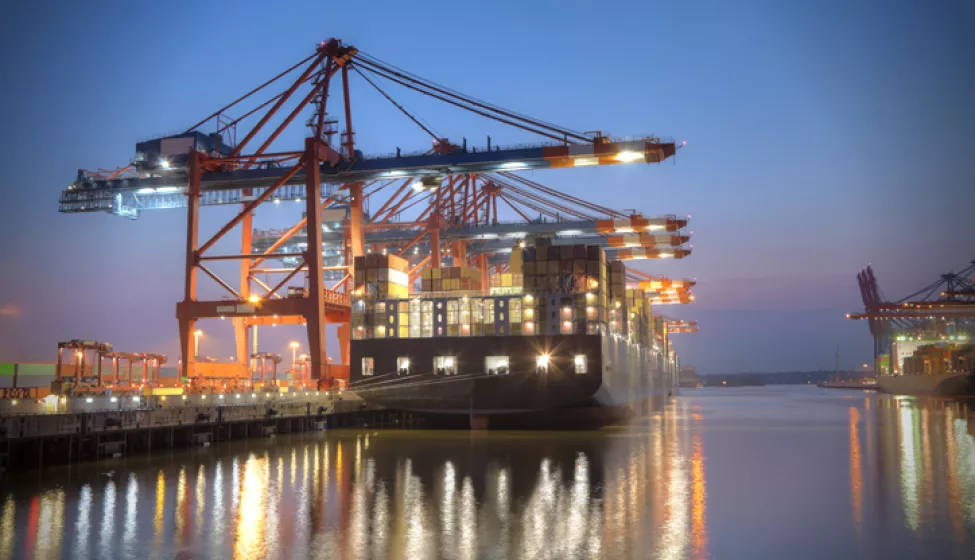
x,y
627,157
542,360
254,299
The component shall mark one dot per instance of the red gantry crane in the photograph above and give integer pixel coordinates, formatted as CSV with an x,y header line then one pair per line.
x,y
439,203
943,311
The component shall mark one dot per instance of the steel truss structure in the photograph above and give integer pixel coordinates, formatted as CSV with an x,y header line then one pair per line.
x,y
439,203
944,307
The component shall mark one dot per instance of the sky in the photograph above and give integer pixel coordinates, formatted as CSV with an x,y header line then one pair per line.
x,y
821,137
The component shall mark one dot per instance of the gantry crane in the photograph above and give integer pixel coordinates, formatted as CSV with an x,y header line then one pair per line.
x,y
941,311
443,200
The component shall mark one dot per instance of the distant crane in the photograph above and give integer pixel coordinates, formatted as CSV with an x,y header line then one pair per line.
x,y
941,311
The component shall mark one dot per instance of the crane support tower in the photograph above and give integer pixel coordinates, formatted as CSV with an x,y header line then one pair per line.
x,y
430,207
941,312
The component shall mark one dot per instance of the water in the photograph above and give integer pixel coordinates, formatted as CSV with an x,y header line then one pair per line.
x,y
778,472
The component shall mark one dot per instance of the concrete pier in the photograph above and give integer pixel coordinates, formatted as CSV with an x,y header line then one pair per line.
x,y
126,426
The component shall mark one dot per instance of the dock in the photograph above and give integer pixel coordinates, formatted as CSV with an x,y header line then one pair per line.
x,y
35,434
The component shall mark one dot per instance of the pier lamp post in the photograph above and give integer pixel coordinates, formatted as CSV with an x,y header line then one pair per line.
x,y
294,353
196,342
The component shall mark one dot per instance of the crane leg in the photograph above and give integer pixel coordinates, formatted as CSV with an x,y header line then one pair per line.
x,y
315,301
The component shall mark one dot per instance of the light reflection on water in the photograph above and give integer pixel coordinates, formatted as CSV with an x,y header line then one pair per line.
x,y
722,473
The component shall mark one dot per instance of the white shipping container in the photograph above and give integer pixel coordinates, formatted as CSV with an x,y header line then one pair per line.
x,y
397,277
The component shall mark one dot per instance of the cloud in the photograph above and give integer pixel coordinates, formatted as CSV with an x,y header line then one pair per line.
x,y
10,310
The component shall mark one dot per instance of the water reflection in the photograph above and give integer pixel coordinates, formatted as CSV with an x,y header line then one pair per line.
x,y
856,467
7,528
249,529
82,525
108,519
131,505
655,489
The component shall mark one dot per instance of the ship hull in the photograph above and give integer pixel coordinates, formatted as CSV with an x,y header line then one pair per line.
x,y
621,379
944,385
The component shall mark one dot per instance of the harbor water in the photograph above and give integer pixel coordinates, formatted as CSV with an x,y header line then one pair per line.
x,y
766,472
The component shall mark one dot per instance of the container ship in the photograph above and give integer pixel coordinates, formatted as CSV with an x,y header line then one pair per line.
x,y
923,342
936,369
561,340
533,315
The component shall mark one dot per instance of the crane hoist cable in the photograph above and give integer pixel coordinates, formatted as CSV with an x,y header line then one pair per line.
x,y
466,107
250,93
371,60
426,129
548,202
564,196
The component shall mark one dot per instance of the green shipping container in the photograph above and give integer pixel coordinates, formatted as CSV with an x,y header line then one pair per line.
x,y
24,370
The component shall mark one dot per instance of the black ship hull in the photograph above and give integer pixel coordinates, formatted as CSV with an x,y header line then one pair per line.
x,y
621,379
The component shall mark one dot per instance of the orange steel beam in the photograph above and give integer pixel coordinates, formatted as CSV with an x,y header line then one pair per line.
x,y
394,225
285,280
246,246
286,270
473,213
277,156
277,320
429,211
286,235
485,275
251,206
119,171
291,116
250,93
459,249
355,220
314,303
390,212
423,216
356,237
391,199
348,112
340,282
435,244
523,216
416,269
320,125
249,113
411,243
187,324
218,280
228,257
284,98
452,184
260,283
474,203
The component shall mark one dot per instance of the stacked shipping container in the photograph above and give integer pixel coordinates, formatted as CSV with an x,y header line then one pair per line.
x,y
381,277
937,360
567,289
450,279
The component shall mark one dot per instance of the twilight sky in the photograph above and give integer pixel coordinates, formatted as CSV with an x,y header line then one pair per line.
x,y
821,137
